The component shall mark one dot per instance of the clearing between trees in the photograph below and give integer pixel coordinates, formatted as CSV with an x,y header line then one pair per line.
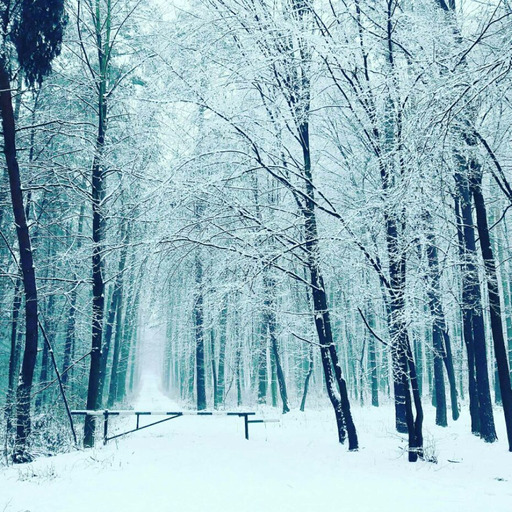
x,y
205,464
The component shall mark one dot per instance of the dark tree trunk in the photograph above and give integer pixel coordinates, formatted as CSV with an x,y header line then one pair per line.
x,y
450,371
472,310
168,376
213,365
372,359
439,387
500,350
391,165
119,288
507,298
113,313
134,351
98,287
23,423
221,375
398,391
474,332
238,377
467,328
441,339
262,360
112,390
43,378
108,331
14,357
273,380
69,344
15,347
507,287
339,398
129,335
418,421
200,369
238,356
45,360
270,323
402,358
308,377
279,369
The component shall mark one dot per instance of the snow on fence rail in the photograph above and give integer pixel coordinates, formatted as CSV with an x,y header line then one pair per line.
x,y
170,416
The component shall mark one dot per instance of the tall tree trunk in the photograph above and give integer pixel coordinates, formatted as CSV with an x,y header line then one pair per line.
x,y
262,360
467,326
372,361
135,348
418,357
273,380
129,336
309,373
439,387
102,33
108,331
13,357
112,391
221,374
238,354
114,311
69,345
98,287
507,297
16,307
338,397
45,360
238,377
213,364
500,350
23,422
474,332
279,368
270,322
441,338
119,290
200,368
401,352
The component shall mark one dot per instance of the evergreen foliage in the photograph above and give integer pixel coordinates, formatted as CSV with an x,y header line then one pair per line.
x,y
36,29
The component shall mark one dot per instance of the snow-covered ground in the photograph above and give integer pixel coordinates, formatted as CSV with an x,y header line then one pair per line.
x,y
205,464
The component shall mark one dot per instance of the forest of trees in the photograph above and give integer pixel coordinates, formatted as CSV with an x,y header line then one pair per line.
x,y
312,196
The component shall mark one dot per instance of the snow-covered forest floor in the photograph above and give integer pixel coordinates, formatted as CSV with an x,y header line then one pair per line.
x,y
205,464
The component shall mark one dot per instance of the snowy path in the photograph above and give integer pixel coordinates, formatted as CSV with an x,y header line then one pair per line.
x,y
204,464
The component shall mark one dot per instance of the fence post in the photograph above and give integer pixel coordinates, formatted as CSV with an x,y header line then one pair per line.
x,y
105,426
246,425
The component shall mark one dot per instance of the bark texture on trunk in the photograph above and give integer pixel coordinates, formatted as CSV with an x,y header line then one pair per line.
x,y
13,357
199,336
98,287
221,373
26,262
474,331
271,325
335,383
500,350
